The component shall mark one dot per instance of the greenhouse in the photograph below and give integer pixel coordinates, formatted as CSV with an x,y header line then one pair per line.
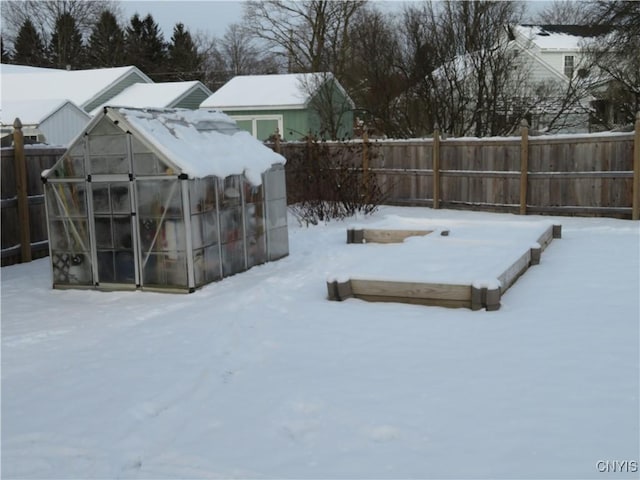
x,y
166,200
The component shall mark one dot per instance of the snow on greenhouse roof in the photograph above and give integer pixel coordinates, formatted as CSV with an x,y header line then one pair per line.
x,y
153,95
32,112
201,142
287,91
79,86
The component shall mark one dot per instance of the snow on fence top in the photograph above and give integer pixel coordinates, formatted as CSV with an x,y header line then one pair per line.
x,y
201,142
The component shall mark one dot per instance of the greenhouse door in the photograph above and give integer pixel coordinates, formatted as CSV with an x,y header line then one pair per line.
x,y
114,232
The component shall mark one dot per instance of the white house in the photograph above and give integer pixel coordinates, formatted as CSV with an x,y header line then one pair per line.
x,y
53,121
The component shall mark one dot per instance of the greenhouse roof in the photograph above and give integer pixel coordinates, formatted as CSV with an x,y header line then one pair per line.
x,y
200,143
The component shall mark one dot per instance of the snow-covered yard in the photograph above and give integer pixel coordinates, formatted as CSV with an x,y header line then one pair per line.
x,y
259,376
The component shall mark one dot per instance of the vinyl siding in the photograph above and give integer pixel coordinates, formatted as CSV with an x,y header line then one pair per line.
x,y
63,126
115,89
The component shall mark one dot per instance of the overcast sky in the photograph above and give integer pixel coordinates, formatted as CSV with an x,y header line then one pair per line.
x,y
213,16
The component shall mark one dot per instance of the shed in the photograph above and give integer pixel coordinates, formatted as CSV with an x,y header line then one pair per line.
x,y
163,199
161,95
295,104
55,122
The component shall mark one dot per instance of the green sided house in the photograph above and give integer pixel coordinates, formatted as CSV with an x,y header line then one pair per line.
x,y
295,104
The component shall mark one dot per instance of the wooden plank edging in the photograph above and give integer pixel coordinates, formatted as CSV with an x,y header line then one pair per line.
x,y
474,297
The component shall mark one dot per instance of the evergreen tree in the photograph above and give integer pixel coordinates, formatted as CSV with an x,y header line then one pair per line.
x,y
29,47
66,43
5,55
145,47
106,44
185,62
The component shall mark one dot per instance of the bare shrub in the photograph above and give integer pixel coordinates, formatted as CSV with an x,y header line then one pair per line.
x,y
326,181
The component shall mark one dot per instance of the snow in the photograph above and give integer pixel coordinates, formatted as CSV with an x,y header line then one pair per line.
x,y
259,376
550,40
193,140
474,252
32,112
79,86
261,91
154,95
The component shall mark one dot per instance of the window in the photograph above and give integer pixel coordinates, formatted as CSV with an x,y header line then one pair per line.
x,y
568,65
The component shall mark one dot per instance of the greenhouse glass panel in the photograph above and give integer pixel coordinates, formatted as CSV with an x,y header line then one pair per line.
x,y
198,267
278,243
71,268
109,164
103,232
155,197
212,263
209,228
275,184
70,166
120,201
277,215
159,270
233,258
66,200
256,250
69,235
254,219
107,144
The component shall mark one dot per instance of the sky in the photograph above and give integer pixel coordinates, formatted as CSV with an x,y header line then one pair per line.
x,y
210,16
213,16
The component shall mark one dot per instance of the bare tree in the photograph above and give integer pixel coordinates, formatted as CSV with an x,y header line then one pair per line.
x,y
329,102
565,12
375,77
43,14
616,61
311,36
467,76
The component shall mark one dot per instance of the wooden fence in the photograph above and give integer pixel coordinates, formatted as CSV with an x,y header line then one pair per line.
x,y
590,174
24,226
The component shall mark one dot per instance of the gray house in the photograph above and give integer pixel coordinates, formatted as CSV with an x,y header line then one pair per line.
x,y
160,95
163,199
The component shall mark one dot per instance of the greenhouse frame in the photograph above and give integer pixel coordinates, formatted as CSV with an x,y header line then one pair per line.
x,y
163,199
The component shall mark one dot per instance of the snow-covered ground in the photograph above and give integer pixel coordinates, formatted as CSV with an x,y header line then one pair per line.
x,y
259,376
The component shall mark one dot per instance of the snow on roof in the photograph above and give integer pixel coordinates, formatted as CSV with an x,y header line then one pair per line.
x,y
201,142
287,91
79,86
557,37
152,95
32,112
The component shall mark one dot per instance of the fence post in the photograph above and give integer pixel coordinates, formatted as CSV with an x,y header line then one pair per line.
x,y
436,166
635,212
365,163
21,192
524,165
277,141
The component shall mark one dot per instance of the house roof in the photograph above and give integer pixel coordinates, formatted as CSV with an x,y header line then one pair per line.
x,y
273,92
154,95
79,86
34,112
199,143
560,37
